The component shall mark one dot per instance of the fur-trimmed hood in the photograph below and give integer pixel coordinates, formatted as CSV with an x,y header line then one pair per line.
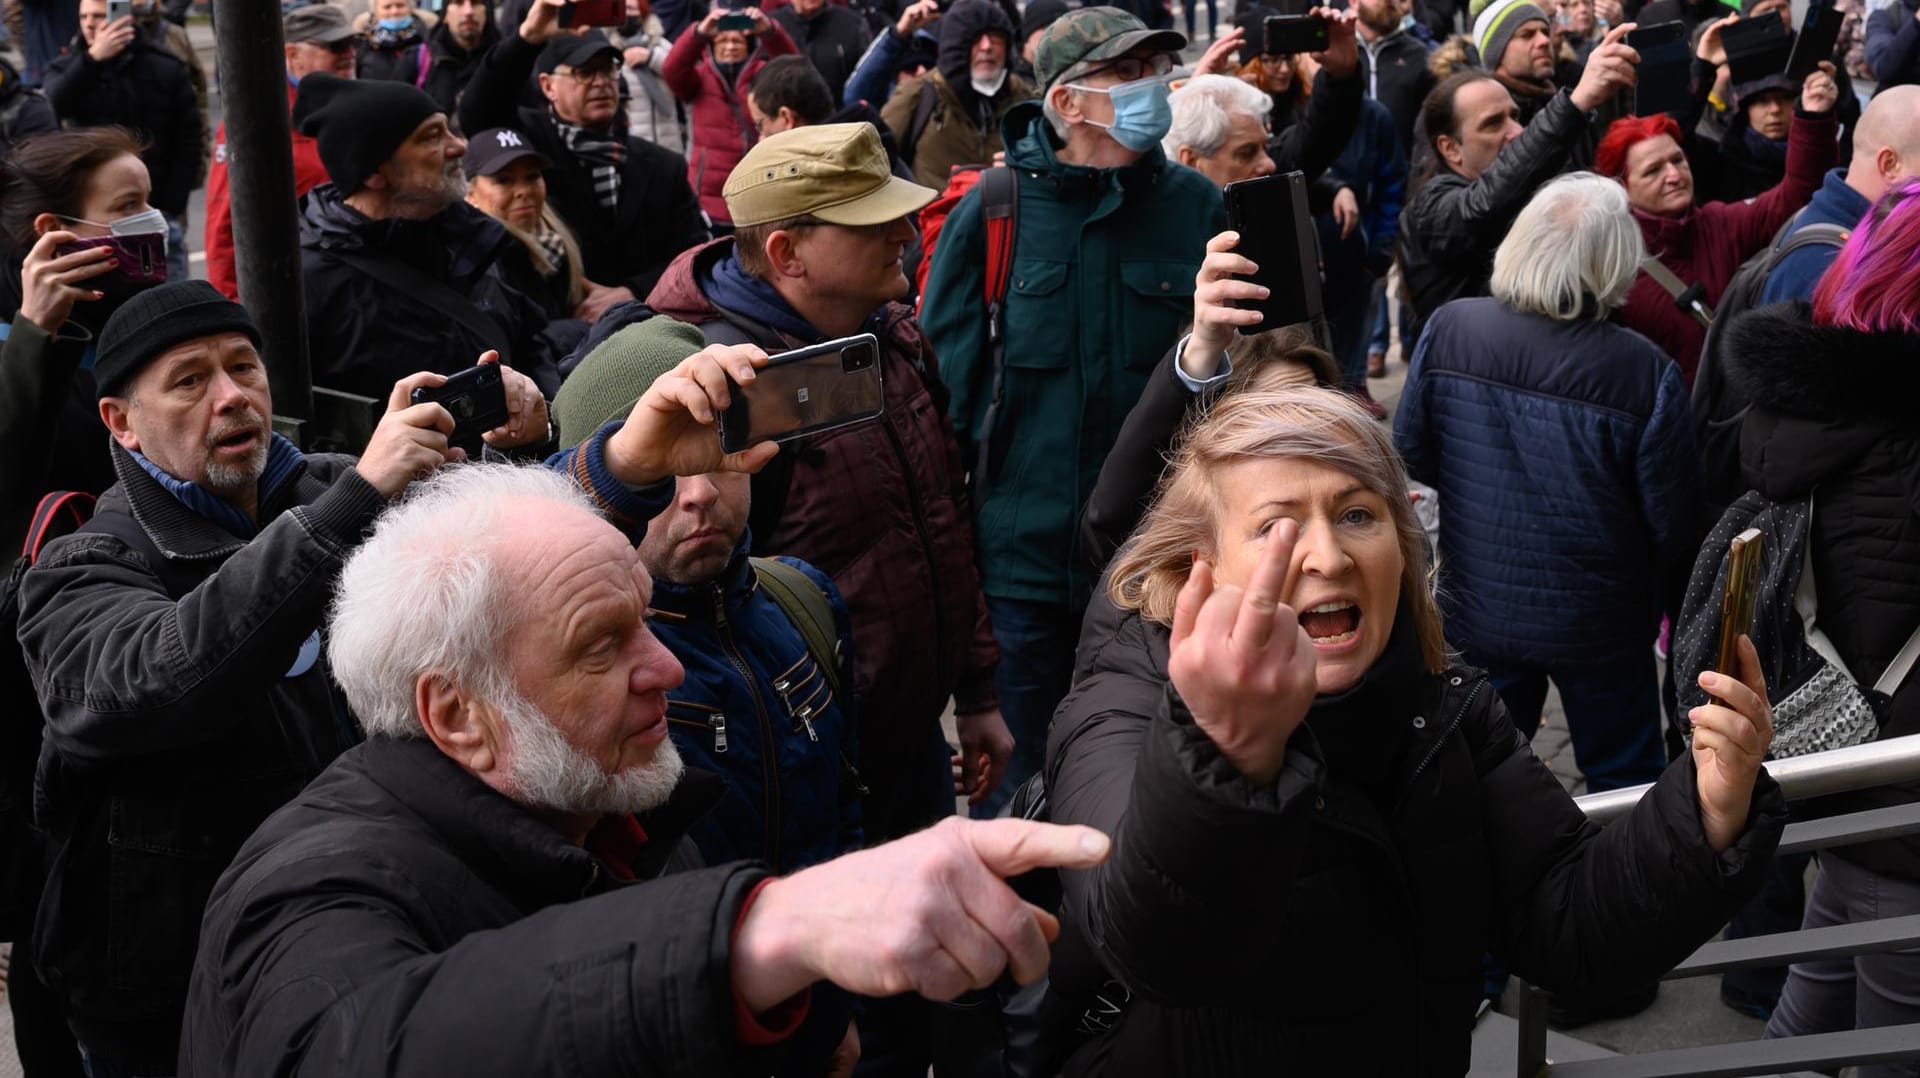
x,y
1787,364
1824,397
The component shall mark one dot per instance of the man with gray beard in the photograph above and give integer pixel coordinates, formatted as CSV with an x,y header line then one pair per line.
x,y
174,642
400,273
495,882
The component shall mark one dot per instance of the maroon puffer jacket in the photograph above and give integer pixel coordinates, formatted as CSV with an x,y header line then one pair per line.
x,y
722,129
881,508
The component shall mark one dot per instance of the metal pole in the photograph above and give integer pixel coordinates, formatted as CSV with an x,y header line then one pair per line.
x,y
251,59
1876,763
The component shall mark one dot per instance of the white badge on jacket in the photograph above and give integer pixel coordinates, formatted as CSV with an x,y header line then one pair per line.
x,y
309,654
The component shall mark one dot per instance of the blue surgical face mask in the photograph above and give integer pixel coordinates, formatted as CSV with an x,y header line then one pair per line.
x,y
1141,112
400,23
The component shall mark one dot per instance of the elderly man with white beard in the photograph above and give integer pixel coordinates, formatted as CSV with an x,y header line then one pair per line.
x,y
494,883
175,645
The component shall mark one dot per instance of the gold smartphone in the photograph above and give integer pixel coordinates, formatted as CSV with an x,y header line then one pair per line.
x,y
1736,602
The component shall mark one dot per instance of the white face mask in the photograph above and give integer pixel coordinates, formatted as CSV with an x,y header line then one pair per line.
x,y
989,87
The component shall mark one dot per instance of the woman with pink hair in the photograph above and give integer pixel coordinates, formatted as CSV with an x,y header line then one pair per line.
x,y
1833,384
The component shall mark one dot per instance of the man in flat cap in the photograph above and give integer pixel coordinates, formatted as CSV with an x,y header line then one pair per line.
x,y
175,645
399,271
627,200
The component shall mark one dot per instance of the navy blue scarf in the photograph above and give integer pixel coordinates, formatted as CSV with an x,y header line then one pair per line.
x,y
282,461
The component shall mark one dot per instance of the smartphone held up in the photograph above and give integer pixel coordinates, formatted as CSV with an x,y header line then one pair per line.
x,y
806,391
1736,602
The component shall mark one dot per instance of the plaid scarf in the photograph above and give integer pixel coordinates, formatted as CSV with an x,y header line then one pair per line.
x,y
550,245
602,155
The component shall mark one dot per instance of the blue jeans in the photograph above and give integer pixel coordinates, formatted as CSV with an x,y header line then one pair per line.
x,y
177,247
1348,302
1383,326
1213,16
1613,714
1036,669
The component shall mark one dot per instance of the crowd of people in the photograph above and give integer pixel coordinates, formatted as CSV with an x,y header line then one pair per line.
x,y
590,744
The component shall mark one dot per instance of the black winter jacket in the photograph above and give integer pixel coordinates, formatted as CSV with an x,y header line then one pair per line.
x,y
657,215
24,111
400,917
454,66
146,88
833,40
1334,922
1396,75
1451,225
366,334
186,699
1833,414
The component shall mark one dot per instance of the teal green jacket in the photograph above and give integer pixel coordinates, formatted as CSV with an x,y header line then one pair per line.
x,y
1103,270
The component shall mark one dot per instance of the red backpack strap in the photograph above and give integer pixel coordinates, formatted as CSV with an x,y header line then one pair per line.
x,y
71,508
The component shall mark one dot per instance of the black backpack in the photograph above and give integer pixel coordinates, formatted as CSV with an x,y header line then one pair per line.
x,y
1717,405
60,513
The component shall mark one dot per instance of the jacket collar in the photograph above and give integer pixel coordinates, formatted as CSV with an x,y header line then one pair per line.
x,y
181,532
457,244
500,839
1837,201
696,602
1666,235
1024,129
282,459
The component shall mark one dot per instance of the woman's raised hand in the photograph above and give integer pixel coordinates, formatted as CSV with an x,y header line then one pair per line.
x,y
1731,735
1221,280
1241,662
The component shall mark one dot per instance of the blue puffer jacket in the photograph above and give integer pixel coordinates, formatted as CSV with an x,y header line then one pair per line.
x,y
755,708
1568,479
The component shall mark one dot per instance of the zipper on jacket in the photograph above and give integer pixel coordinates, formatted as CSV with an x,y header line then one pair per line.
x,y
769,747
1453,724
918,512
715,722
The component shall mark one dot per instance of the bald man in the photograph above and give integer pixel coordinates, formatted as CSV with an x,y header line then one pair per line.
x,y
1886,154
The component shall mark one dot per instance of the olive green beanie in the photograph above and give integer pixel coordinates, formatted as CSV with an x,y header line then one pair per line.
x,y
613,376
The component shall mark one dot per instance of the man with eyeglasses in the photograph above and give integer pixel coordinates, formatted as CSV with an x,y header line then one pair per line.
x,y
1109,238
627,200
318,39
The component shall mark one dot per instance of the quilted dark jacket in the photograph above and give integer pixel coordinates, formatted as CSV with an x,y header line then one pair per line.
x,y
1334,921
1833,412
1568,479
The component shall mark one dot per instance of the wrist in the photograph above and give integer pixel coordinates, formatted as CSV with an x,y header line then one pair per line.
x,y
624,464
765,963
1201,359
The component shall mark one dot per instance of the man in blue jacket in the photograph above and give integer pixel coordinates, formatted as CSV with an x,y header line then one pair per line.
x,y
1886,152
1893,43
1562,447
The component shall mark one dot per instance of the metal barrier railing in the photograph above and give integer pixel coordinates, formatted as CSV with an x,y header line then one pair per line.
x,y
1839,771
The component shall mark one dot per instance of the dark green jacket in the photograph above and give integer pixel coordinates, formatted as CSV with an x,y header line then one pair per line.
x,y
1104,262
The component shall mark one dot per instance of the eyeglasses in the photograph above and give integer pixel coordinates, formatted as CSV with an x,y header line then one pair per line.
x,y
1131,68
591,74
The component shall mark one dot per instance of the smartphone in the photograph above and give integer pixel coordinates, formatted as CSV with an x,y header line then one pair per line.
x,y
1288,34
118,9
808,390
1277,233
594,13
477,399
1665,66
742,23
1736,602
143,259
1816,40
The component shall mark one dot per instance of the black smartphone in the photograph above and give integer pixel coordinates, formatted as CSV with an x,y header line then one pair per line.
x,y
1276,232
1289,34
1756,48
1819,33
1736,602
476,398
1664,69
593,13
808,390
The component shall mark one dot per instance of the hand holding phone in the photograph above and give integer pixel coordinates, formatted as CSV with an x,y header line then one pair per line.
x,y
1289,34
671,429
475,397
1736,602
1277,234
806,391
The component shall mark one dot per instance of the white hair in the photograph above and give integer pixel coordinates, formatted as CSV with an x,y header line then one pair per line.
x,y
1573,251
422,595
1203,111
1059,123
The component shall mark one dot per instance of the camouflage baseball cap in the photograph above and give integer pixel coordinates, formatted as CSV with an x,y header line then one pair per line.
x,y
1083,39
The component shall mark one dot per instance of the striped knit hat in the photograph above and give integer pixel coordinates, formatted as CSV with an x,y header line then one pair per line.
x,y
1494,22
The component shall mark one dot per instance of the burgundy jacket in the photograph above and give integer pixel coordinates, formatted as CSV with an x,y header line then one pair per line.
x,y
1708,243
722,128
881,508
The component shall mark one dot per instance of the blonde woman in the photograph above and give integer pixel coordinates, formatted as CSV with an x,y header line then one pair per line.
x,y
1320,822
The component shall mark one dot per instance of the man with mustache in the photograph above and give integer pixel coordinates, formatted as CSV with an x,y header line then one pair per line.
x,y
175,645
627,200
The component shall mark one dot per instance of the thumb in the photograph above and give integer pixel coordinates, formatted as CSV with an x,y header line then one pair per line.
x,y
1009,847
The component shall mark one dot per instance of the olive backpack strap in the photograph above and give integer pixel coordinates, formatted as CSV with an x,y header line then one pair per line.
x,y
807,607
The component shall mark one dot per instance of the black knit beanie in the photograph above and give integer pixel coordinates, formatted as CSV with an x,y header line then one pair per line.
x,y
358,123
156,320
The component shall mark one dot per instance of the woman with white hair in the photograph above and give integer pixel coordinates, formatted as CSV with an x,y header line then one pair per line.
x,y
1320,819
1562,447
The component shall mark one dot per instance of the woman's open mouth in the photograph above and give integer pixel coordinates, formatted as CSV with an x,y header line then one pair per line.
x,y
1331,624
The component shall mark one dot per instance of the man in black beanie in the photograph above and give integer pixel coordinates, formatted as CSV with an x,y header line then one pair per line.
x,y
399,270
174,641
